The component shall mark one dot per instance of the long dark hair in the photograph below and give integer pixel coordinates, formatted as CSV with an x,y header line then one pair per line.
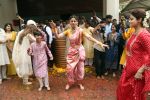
x,y
7,25
88,22
30,29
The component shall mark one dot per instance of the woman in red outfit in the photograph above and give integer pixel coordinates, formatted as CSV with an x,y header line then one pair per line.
x,y
135,79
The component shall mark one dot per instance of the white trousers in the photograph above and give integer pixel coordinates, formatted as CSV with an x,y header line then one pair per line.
x,y
43,81
3,69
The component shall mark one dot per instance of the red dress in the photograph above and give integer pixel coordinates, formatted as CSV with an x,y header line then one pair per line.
x,y
138,54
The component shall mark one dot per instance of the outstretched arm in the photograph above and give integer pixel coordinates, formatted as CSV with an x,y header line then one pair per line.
x,y
31,38
94,40
57,35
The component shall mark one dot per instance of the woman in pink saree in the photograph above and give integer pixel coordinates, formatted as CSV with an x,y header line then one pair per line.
x,y
135,78
76,53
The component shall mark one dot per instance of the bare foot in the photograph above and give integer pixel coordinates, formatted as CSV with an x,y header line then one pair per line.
x,y
48,88
98,77
81,86
106,74
67,87
40,89
27,83
102,77
114,75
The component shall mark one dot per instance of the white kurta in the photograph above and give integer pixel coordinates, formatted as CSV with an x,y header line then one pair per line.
x,y
4,59
20,57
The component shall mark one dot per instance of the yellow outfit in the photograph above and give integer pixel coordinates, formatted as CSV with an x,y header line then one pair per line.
x,y
88,45
11,39
126,35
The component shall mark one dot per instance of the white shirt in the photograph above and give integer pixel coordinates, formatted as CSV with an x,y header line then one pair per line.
x,y
49,32
107,29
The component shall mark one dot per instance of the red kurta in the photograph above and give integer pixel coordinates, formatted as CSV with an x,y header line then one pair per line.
x,y
138,48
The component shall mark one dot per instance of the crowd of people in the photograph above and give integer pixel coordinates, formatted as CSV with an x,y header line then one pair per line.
x,y
99,42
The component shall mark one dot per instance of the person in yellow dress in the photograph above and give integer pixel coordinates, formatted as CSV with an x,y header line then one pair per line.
x,y
11,36
88,45
126,35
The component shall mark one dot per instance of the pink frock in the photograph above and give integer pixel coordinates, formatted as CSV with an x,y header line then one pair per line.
x,y
39,53
138,54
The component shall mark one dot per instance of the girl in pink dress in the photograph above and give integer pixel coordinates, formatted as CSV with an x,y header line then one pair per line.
x,y
135,78
39,51
76,53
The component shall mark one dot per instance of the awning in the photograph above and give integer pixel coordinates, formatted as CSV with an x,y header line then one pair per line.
x,y
145,4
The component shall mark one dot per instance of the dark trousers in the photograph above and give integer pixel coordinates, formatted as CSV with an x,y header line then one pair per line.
x,y
52,49
99,62
120,50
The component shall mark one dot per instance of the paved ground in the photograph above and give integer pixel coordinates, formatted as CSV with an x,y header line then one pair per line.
x,y
95,89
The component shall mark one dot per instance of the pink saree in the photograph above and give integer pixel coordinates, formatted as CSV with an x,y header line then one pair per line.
x,y
75,58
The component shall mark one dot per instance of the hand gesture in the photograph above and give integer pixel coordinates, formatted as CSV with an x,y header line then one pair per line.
x,y
51,58
138,75
105,46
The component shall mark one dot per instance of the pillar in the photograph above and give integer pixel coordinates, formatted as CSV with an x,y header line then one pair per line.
x,y
8,10
111,7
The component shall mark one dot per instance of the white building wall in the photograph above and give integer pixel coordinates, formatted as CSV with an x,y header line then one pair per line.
x,y
111,7
8,10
